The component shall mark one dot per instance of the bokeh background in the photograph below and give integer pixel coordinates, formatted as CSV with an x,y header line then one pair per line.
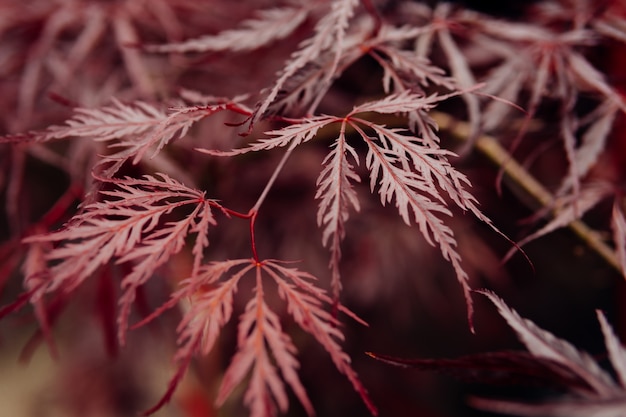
x,y
392,278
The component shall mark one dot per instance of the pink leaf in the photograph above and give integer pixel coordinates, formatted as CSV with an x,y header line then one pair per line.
x,y
208,313
404,102
269,26
592,78
303,303
125,228
260,329
329,37
464,79
567,211
592,144
617,353
415,194
293,135
133,129
545,345
336,196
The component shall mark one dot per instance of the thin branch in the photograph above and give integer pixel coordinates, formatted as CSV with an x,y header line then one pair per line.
x,y
373,12
271,181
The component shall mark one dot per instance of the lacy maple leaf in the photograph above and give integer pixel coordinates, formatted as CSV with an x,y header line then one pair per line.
x,y
285,72
128,227
261,340
404,168
550,362
130,129
600,393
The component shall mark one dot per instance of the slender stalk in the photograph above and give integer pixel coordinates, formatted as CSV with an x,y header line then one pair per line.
x,y
255,254
271,181
371,9
251,215
253,212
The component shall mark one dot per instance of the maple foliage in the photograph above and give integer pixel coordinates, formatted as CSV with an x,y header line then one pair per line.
x,y
550,361
603,395
162,119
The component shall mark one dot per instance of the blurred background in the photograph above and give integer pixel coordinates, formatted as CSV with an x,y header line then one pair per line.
x,y
55,54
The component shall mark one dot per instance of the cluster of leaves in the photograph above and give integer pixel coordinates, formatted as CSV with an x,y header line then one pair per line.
x,y
550,361
142,120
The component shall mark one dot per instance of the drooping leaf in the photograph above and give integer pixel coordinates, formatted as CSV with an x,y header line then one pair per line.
x,y
543,344
617,353
337,196
570,209
260,338
304,304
